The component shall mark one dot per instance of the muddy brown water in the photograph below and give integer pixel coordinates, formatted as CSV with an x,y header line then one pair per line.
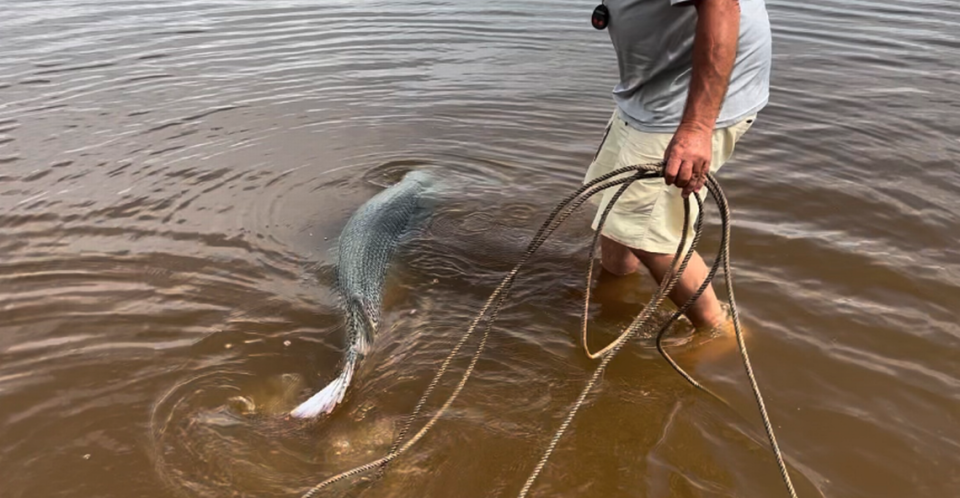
x,y
174,175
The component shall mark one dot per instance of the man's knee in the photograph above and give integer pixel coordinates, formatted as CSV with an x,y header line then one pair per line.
x,y
650,259
617,258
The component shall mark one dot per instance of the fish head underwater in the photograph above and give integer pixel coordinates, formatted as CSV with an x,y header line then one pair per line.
x,y
424,177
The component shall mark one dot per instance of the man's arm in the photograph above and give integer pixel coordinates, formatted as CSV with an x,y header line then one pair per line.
x,y
714,50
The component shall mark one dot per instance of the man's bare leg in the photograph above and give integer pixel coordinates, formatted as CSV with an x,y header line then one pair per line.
x,y
706,312
621,260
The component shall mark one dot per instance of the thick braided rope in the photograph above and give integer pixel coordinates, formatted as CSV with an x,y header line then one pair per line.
x,y
686,306
552,223
724,256
539,238
617,344
642,171
728,276
655,300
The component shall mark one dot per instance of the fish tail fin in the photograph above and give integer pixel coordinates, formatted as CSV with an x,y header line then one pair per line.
x,y
325,400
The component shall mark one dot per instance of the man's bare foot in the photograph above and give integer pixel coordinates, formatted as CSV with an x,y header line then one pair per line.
x,y
720,339
711,318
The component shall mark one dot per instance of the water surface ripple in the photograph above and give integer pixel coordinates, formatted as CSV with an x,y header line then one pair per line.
x,y
174,175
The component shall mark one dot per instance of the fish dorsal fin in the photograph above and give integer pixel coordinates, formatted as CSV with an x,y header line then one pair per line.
x,y
369,310
365,339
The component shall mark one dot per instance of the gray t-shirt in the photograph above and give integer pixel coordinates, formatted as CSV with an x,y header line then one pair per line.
x,y
654,44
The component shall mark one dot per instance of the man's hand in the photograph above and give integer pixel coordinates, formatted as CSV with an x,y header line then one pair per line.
x,y
688,158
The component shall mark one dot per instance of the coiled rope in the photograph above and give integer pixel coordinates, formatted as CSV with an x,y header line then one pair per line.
x,y
560,214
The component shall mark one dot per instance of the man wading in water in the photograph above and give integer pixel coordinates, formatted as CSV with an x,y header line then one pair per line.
x,y
693,76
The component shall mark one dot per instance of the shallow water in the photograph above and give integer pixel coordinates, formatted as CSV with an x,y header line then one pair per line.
x,y
174,175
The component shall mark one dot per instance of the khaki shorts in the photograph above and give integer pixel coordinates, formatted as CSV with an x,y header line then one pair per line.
x,y
649,215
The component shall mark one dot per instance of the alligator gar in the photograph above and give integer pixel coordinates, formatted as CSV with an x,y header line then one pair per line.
x,y
366,245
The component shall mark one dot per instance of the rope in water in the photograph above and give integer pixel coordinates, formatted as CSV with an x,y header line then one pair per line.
x,y
563,211
500,292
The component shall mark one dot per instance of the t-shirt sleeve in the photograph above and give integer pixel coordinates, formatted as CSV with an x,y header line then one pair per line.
x,y
681,3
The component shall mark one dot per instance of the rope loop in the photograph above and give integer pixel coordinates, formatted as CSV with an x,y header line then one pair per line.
x,y
496,300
